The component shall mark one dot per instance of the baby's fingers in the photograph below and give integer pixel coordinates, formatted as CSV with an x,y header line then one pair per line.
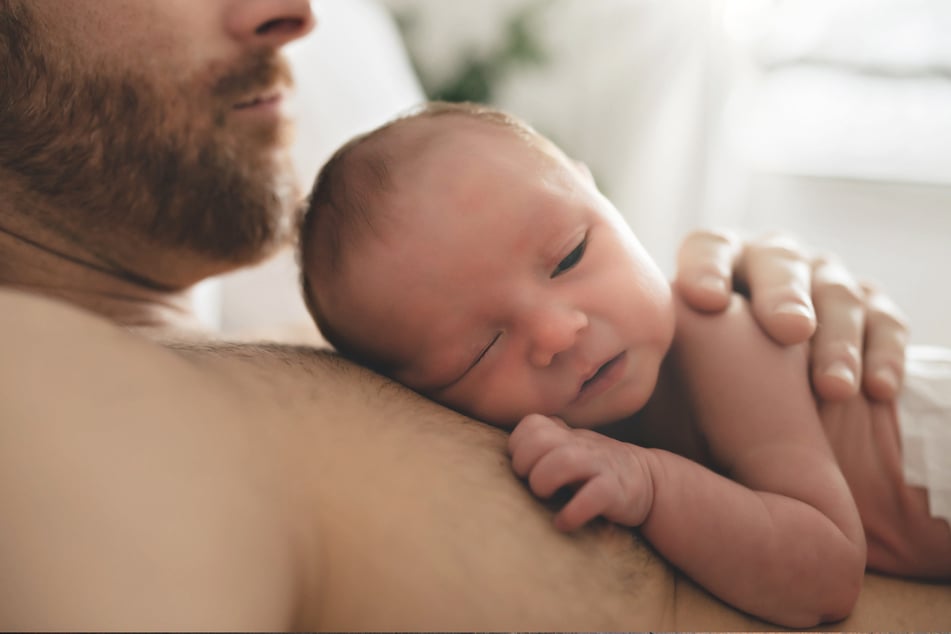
x,y
532,438
591,500
562,466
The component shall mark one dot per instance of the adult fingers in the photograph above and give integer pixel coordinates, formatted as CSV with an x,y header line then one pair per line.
x,y
886,339
836,353
778,275
705,263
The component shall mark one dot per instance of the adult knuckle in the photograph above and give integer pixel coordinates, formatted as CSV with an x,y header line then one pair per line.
x,y
715,236
843,350
781,243
824,260
892,339
840,290
829,269
890,356
706,240
896,324
778,253
884,311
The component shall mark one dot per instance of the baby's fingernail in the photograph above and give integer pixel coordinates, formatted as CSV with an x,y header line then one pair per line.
x,y
713,283
888,378
794,309
841,371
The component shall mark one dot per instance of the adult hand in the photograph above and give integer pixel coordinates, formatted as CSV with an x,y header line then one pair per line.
x,y
858,334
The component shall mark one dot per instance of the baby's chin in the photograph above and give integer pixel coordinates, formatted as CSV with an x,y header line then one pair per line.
x,y
601,413
594,421
577,420
624,402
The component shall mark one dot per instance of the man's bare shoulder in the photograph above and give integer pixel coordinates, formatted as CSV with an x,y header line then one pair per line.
x,y
28,320
216,438
52,349
40,335
60,362
131,478
194,485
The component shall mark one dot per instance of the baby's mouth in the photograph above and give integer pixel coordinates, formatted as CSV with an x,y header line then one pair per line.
x,y
599,373
592,382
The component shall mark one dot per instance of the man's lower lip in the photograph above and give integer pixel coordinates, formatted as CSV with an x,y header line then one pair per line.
x,y
607,376
265,106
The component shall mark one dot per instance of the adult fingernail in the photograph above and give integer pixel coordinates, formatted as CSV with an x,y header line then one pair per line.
x,y
887,378
841,371
794,309
713,283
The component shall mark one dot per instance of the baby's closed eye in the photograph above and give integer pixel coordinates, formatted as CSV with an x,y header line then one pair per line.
x,y
571,260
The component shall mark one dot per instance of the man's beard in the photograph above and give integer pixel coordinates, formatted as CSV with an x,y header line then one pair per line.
x,y
129,162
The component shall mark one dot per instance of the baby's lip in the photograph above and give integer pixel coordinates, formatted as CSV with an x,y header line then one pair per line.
x,y
597,371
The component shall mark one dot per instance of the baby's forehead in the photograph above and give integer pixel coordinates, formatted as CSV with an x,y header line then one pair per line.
x,y
453,155
485,176
449,261
464,134
456,182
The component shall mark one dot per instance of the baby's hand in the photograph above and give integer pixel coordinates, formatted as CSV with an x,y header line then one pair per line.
x,y
612,478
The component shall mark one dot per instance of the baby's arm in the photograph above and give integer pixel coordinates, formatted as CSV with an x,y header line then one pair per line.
x,y
764,553
789,542
784,541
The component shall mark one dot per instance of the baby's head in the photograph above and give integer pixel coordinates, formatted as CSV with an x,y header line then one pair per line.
x,y
462,254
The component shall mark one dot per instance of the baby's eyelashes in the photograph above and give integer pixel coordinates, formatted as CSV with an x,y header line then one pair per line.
x,y
485,351
570,260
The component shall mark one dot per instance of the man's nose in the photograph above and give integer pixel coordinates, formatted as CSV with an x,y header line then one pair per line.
x,y
270,23
553,331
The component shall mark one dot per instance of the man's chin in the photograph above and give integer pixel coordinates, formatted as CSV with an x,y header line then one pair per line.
x,y
174,266
236,212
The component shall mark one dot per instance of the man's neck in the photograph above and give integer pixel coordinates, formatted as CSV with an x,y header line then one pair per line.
x,y
37,260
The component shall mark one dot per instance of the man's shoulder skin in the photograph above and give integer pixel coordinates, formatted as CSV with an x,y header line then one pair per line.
x,y
276,487
220,486
120,486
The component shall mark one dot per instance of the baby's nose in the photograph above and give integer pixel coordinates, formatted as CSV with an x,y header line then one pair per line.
x,y
553,332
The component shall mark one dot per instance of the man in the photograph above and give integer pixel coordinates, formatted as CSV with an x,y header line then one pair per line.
x,y
205,485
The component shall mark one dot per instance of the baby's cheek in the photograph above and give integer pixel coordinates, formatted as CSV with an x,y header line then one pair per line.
x,y
503,403
499,413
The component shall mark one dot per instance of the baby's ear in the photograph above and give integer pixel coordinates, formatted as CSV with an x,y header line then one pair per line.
x,y
584,170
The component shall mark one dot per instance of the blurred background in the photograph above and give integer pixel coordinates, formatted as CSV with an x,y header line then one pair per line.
x,y
829,120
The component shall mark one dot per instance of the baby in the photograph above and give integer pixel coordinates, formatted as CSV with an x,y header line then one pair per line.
x,y
462,254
